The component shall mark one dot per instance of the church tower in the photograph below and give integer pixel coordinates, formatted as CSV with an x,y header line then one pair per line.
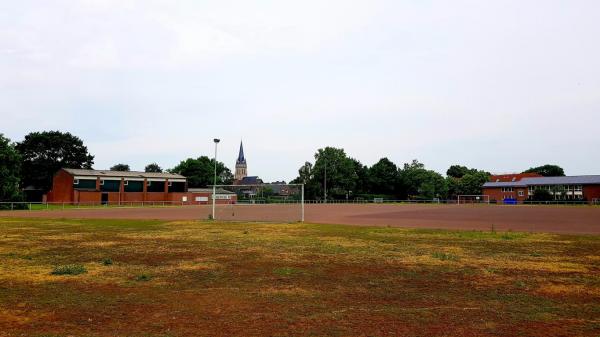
x,y
240,165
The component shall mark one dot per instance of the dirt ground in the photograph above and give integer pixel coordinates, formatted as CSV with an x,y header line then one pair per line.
x,y
552,219
155,278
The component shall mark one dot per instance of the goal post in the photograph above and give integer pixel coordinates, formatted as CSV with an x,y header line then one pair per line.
x,y
473,199
259,202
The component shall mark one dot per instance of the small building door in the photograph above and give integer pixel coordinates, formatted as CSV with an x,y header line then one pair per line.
x,y
104,198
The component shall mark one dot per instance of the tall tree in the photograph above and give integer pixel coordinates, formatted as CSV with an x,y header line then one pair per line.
x,y
420,183
200,172
10,164
547,170
458,171
383,177
154,168
44,153
334,169
462,180
120,167
472,183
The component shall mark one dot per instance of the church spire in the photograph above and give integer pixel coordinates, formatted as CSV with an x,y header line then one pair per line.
x,y
241,169
241,159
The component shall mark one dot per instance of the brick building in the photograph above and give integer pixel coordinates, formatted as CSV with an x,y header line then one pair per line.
x,y
116,187
519,187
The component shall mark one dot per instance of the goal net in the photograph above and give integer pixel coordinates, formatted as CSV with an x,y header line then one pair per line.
x,y
261,202
473,199
596,201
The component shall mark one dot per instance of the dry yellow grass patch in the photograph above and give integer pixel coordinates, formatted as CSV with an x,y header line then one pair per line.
x,y
568,289
290,291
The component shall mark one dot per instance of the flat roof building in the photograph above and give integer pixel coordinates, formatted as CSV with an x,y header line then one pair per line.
x,y
570,188
79,186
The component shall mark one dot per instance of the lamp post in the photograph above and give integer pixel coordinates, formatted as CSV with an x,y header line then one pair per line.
x,y
214,195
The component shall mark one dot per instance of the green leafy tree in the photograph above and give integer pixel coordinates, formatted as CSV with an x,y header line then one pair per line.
x,y
547,170
153,168
362,178
458,171
200,172
472,183
44,153
334,165
305,176
420,183
383,177
462,180
121,168
344,174
10,165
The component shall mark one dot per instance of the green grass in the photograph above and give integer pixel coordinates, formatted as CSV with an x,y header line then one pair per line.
x,y
71,269
148,278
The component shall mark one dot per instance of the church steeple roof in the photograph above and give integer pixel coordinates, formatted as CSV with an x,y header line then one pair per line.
x,y
241,159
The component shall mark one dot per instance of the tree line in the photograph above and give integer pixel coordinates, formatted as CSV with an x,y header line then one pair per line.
x,y
31,164
335,175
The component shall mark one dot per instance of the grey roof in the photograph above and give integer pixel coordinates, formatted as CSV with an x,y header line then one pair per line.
x,y
252,180
209,190
122,174
570,180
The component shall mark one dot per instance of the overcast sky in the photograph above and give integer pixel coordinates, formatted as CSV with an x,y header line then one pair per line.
x,y
496,85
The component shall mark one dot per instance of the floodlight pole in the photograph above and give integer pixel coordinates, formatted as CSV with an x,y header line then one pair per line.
x,y
214,195
302,202
325,183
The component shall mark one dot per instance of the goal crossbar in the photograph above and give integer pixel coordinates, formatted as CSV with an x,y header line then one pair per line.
x,y
299,188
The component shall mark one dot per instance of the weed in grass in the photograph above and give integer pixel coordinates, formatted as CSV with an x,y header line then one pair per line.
x,y
536,254
107,262
286,271
69,269
245,232
445,256
143,278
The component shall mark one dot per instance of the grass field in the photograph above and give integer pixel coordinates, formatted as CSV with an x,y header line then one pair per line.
x,y
153,278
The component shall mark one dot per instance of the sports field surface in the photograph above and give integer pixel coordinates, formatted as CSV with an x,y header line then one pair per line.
x,y
99,277
554,219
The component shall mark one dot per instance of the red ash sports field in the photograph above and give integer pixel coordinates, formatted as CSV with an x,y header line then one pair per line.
x,y
554,219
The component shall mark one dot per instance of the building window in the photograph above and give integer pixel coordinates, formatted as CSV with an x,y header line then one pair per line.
x,y
156,186
134,186
507,189
110,185
176,186
521,193
87,184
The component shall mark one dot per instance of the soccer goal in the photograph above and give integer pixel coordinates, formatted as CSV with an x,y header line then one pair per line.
x,y
596,201
260,202
473,199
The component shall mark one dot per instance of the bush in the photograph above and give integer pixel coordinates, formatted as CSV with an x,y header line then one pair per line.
x,y
143,278
70,269
107,262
